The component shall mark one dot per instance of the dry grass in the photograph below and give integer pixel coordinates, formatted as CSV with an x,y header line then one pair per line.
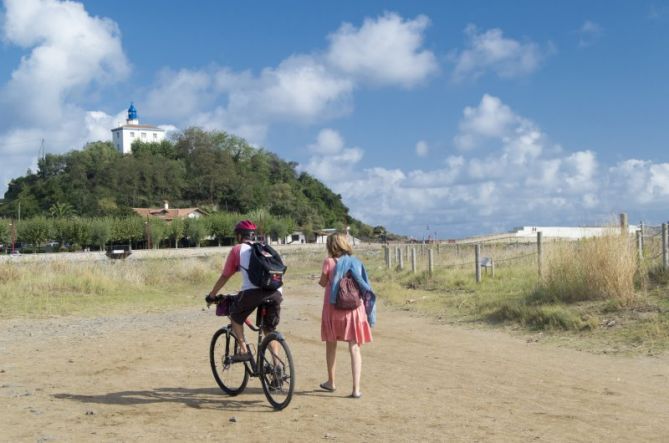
x,y
588,285
598,268
62,287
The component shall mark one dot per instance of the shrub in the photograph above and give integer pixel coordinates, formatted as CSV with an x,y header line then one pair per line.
x,y
597,268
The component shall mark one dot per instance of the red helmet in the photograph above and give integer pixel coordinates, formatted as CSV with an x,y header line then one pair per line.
x,y
245,225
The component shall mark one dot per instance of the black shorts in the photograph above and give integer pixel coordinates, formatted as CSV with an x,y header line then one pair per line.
x,y
250,299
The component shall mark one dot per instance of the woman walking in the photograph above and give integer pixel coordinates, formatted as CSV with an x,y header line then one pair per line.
x,y
351,326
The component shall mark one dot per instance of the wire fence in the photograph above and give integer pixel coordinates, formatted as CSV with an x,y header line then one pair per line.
x,y
652,250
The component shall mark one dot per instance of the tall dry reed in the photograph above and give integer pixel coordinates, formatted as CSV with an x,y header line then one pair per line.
x,y
591,269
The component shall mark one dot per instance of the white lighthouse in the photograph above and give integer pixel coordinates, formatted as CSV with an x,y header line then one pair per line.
x,y
125,135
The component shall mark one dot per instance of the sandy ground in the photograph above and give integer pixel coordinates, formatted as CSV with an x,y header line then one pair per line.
x,y
147,378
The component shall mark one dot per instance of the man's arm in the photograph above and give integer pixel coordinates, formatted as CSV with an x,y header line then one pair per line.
x,y
222,280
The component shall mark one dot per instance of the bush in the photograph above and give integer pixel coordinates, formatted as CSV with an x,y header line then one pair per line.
x,y
598,268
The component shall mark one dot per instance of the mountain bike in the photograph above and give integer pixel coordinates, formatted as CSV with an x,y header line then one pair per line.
x,y
273,362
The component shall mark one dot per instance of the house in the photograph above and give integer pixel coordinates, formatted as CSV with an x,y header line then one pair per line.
x,y
167,214
125,135
322,234
296,237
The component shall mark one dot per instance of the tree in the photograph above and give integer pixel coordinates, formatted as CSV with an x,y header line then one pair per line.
x,y
61,210
222,225
35,231
157,231
80,231
101,231
176,230
5,233
195,230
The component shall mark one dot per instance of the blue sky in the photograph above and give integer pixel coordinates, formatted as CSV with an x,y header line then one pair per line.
x,y
467,117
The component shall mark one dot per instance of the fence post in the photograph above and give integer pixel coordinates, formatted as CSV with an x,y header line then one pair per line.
x,y
492,267
623,223
540,258
400,259
665,247
430,257
477,258
639,244
413,260
386,253
643,232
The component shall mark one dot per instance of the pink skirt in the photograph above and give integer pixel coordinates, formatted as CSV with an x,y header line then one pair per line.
x,y
340,325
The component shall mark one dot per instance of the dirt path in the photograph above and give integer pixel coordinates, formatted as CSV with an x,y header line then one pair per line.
x,y
147,378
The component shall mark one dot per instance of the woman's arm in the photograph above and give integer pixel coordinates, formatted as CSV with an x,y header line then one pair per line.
x,y
324,280
325,273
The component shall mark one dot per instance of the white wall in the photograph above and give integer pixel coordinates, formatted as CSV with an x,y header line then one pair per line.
x,y
125,136
569,232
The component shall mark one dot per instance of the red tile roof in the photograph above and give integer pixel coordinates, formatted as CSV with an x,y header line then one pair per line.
x,y
167,214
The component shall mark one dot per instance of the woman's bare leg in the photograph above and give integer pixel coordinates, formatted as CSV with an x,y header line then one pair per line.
x,y
356,366
331,358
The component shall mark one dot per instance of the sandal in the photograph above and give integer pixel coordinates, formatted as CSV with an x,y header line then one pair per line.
x,y
326,387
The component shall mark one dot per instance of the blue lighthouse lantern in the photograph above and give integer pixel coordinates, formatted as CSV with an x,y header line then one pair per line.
x,y
132,112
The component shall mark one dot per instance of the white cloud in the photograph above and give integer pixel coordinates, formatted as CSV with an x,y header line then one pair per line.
x,y
303,88
422,148
492,51
386,50
489,120
589,33
328,142
517,177
68,52
331,160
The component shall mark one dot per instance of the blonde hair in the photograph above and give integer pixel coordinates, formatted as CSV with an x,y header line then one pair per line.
x,y
338,245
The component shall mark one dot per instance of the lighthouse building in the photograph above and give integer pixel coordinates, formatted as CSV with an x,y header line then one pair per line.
x,y
124,136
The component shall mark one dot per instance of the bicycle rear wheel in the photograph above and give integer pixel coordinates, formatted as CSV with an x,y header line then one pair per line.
x,y
231,377
277,373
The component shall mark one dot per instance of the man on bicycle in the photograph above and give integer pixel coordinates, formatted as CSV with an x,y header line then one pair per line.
x,y
250,296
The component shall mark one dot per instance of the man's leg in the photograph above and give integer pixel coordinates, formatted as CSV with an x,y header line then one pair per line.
x,y
238,329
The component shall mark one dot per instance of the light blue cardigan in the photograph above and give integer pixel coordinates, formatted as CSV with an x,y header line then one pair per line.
x,y
347,263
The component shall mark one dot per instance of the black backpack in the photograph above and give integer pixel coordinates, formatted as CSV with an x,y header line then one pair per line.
x,y
266,268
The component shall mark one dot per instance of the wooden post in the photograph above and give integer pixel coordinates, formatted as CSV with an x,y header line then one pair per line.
x,y
413,260
386,253
400,259
639,244
623,224
665,247
643,231
430,261
492,268
477,258
406,250
540,258
398,254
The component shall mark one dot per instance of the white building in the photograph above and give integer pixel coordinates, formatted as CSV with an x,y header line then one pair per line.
x,y
572,233
125,135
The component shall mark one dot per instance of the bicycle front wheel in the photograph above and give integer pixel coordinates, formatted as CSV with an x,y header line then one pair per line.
x,y
277,373
231,377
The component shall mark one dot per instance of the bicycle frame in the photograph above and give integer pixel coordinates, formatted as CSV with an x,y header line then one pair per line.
x,y
253,366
